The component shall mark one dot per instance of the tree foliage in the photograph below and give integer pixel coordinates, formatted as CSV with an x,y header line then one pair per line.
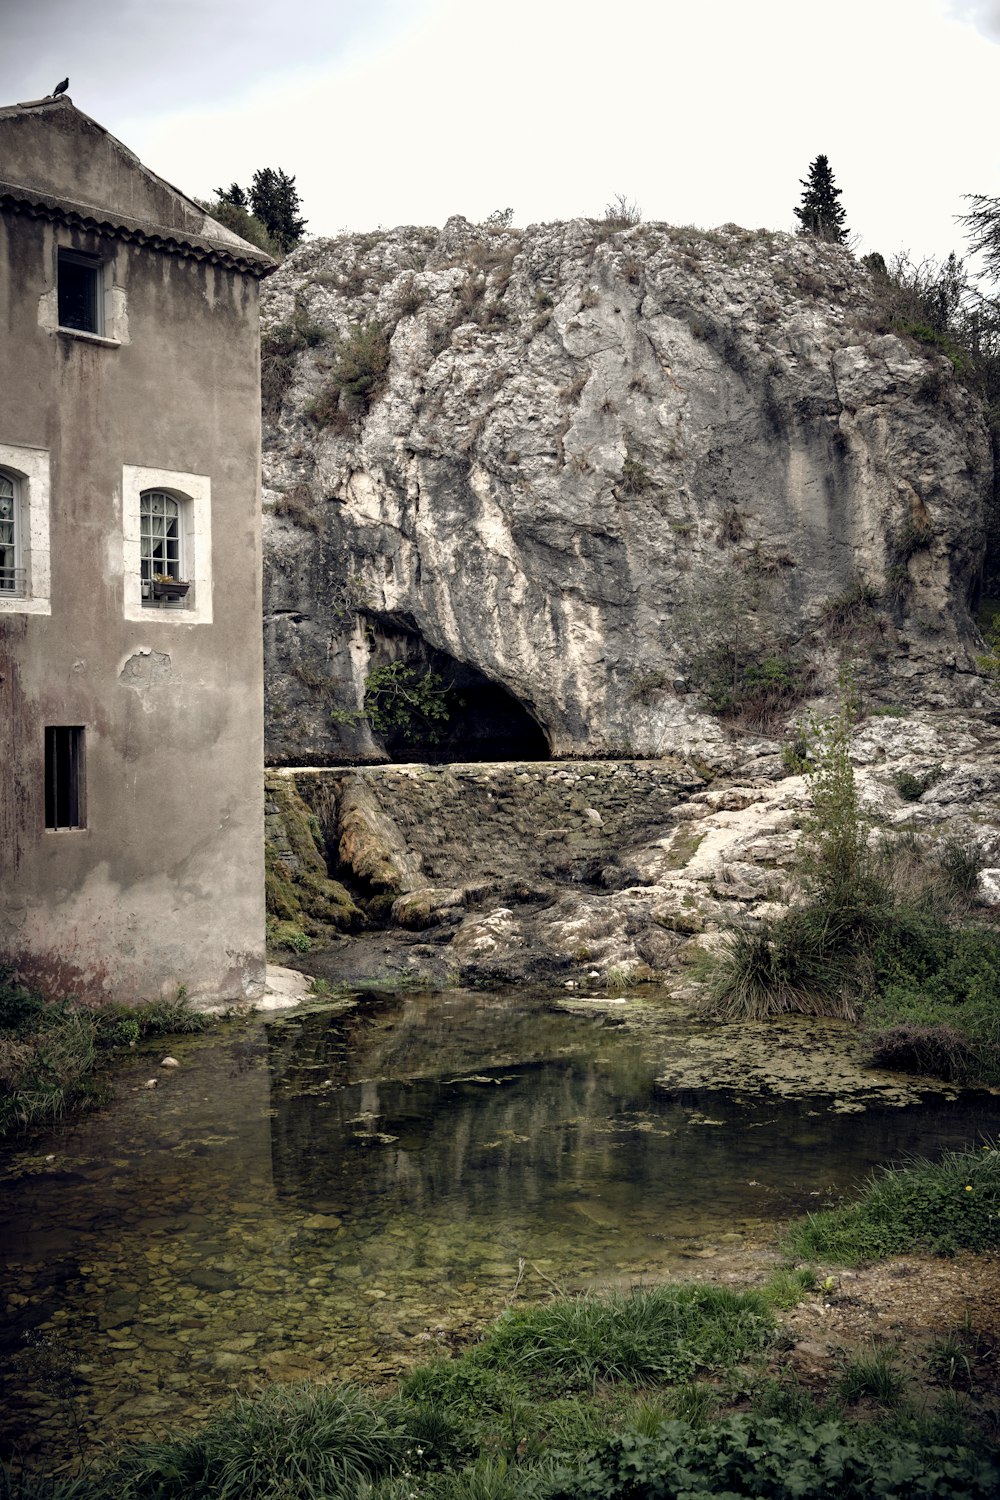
x,y
819,212
982,225
273,200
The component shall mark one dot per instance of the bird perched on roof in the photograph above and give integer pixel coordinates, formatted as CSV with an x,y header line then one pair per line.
x,y
60,88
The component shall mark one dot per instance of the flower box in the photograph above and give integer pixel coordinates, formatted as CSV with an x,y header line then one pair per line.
x,y
167,588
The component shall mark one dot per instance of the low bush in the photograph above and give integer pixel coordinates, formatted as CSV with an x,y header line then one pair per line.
x,y
749,689
759,1456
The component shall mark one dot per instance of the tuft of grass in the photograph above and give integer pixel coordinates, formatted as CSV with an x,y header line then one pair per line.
x,y
663,1333
948,1205
307,1441
801,963
872,1376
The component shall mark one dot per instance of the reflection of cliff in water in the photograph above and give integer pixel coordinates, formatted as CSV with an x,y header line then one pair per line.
x,y
482,1104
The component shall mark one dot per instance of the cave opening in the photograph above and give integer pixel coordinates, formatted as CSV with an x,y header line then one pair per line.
x,y
481,720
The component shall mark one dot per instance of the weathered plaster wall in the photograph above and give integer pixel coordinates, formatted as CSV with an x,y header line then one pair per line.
x,y
590,452
164,886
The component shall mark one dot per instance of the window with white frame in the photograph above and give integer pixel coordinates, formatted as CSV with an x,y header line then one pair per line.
x,y
24,530
161,549
167,545
11,566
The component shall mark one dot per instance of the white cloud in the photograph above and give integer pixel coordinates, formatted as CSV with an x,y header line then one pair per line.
x,y
983,14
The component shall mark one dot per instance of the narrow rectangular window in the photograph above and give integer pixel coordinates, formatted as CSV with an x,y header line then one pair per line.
x,y
64,777
81,293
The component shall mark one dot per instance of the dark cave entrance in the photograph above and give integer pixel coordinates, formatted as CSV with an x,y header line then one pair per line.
x,y
484,721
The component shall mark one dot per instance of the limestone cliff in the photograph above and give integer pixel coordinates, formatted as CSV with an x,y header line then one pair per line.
x,y
589,476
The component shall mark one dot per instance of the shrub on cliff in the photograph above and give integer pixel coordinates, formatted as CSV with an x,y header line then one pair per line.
x,y
357,378
280,348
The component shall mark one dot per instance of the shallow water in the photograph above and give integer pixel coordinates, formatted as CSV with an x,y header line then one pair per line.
x,y
339,1194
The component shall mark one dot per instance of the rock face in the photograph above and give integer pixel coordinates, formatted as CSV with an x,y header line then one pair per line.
x,y
603,873
598,475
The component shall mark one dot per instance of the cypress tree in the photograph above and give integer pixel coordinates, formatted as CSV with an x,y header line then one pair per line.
x,y
819,212
275,202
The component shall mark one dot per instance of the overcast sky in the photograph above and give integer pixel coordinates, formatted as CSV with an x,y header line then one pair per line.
x,y
406,111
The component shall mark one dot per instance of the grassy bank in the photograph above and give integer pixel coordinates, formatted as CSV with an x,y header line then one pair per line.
x,y
680,1392
54,1054
942,1207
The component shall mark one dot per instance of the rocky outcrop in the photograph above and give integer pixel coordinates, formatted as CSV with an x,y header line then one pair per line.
x,y
605,873
599,479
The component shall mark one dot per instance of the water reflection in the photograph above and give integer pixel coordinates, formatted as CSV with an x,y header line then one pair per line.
x,y
322,1195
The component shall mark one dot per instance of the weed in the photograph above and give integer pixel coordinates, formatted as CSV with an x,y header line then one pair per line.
x,y
732,527
53,1052
620,213
949,1361
989,662
853,613
295,505
873,1376
411,298
646,683
912,787
280,348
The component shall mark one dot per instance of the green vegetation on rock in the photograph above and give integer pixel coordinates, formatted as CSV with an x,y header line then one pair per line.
x,y
302,901
885,932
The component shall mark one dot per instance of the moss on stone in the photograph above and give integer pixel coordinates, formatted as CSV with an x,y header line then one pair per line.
x,y
298,888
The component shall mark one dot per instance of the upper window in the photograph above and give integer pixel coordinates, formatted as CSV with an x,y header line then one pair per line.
x,y
11,566
161,549
81,292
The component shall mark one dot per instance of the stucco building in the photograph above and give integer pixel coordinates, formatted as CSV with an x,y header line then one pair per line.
x,y
131,834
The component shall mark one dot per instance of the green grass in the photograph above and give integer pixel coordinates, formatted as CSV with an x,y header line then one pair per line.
x,y
872,1376
53,1053
292,1441
943,1206
664,1333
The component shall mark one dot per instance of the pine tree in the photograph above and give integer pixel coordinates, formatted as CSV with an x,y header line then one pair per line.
x,y
233,194
275,202
819,212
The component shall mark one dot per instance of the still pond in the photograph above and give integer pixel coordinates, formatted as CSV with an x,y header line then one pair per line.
x,y
343,1192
